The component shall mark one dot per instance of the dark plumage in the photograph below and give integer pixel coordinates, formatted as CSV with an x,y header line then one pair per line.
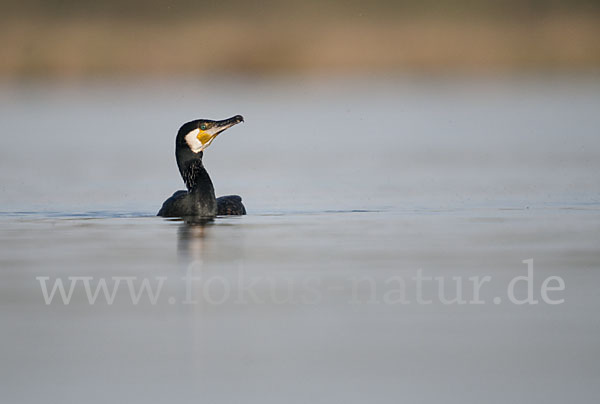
x,y
199,199
230,205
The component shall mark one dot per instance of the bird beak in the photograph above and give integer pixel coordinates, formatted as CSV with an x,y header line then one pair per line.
x,y
208,135
220,126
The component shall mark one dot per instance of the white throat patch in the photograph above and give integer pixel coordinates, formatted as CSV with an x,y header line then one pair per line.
x,y
192,140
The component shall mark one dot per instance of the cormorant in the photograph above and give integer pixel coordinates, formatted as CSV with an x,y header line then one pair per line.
x,y
199,199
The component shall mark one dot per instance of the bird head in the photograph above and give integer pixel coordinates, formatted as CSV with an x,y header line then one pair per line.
x,y
198,135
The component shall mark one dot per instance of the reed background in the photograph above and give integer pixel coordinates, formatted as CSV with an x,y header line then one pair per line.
x,y
70,38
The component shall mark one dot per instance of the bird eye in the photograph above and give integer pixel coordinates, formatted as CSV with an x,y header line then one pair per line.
x,y
203,126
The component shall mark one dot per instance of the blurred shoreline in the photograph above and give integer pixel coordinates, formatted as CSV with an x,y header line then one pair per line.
x,y
312,42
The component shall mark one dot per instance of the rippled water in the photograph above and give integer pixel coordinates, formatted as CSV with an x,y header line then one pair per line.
x,y
352,188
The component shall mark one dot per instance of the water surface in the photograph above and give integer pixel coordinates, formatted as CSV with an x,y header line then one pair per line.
x,y
350,185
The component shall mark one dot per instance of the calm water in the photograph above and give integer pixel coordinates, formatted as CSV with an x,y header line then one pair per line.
x,y
354,188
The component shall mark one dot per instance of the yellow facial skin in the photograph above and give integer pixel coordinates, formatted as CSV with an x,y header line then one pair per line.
x,y
205,138
207,132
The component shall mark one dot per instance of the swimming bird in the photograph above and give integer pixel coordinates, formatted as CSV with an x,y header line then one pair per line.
x,y
199,198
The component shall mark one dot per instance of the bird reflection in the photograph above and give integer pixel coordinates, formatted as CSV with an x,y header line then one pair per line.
x,y
210,242
192,238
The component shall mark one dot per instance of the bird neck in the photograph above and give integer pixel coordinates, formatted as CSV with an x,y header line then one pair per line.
x,y
196,178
